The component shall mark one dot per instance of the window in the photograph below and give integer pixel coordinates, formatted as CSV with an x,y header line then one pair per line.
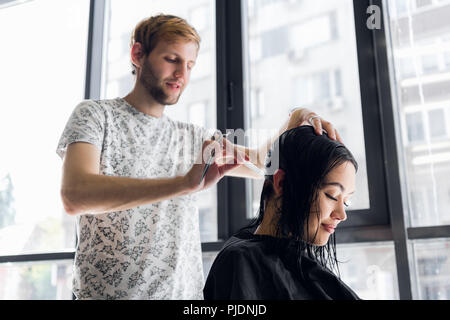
x,y
120,21
258,103
447,59
406,68
299,67
325,29
436,123
321,84
41,84
430,63
400,7
369,269
414,124
432,259
322,89
199,17
197,114
423,3
310,58
36,280
255,47
426,153
274,42
35,220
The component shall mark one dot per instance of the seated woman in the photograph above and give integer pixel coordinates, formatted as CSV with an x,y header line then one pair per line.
x,y
292,252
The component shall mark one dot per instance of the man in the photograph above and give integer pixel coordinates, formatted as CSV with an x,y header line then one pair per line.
x,y
130,175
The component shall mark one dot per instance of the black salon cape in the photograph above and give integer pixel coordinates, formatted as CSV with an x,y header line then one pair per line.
x,y
260,267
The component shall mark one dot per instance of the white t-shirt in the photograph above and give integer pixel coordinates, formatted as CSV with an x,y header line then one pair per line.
x,y
151,251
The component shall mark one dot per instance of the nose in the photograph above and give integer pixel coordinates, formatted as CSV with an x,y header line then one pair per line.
x,y
339,212
181,71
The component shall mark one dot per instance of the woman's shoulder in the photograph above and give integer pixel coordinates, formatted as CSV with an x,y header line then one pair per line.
x,y
245,245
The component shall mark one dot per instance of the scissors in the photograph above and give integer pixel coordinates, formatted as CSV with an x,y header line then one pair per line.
x,y
213,153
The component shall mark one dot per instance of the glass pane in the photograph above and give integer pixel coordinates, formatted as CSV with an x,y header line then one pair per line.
x,y
447,60
414,124
208,259
420,38
36,280
369,269
198,103
436,120
432,258
42,77
309,59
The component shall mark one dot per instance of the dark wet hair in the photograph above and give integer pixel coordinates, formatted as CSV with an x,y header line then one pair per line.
x,y
306,159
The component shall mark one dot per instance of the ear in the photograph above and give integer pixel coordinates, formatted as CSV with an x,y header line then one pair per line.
x,y
278,178
137,54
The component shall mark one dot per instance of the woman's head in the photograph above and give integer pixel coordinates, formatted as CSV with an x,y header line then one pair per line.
x,y
309,180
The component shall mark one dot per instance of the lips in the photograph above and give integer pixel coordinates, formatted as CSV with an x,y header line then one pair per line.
x,y
174,85
329,227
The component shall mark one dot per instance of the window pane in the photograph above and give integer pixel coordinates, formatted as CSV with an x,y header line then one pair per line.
x,y
42,78
432,258
422,105
208,259
423,3
447,59
36,280
414,125
198,102
309,59
369,269
430,63
436,120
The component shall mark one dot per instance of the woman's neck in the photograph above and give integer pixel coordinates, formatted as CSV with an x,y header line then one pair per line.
x,y
269,224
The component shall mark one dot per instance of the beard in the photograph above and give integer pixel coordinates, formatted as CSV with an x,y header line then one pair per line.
x,y
155,85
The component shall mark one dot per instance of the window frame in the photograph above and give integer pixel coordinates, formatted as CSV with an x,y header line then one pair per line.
x,y
384,221
92,90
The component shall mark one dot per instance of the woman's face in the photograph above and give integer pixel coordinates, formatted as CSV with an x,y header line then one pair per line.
x,y
331,202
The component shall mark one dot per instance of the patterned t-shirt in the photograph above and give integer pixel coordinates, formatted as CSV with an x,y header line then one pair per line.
x,y
151,251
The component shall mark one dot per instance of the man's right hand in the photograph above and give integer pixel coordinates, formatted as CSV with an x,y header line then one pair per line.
x,y
224,161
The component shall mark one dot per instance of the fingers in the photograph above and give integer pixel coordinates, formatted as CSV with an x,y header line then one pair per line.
x,y
321,125
328,127
232,152
316,122
210,150
223,169
338,137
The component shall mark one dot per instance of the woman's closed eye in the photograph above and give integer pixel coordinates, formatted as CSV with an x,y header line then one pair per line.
x,y
334,199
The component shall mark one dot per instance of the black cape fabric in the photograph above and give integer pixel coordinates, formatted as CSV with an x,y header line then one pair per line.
x,y
260,267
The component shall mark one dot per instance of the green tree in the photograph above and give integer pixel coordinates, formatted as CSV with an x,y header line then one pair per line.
x,y
36,283
7,210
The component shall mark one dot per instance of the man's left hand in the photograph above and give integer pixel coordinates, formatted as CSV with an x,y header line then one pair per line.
x,y
304,116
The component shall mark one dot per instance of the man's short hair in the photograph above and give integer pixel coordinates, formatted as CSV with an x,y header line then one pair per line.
x,y
150,31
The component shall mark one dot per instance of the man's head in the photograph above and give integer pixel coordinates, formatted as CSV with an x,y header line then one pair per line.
x,y
164,49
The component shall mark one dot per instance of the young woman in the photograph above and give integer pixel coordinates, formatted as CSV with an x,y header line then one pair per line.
x,y
289,251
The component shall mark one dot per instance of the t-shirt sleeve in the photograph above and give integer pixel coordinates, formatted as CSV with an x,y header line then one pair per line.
x,y
86,124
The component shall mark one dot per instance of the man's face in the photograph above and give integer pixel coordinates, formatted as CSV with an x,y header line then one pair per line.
x,y
166,71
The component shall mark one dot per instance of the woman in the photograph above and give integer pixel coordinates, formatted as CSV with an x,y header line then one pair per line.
x,y
292,252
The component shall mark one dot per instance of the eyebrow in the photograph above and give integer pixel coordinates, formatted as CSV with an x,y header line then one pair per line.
x,y
338,185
